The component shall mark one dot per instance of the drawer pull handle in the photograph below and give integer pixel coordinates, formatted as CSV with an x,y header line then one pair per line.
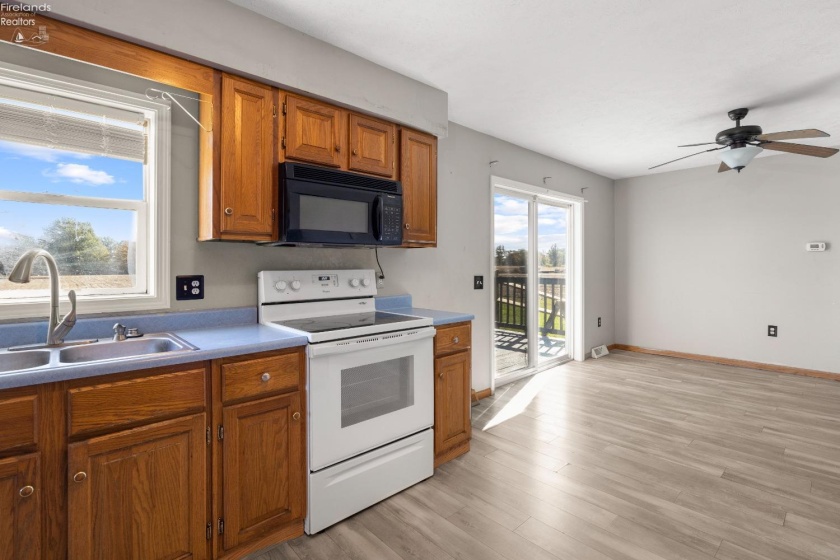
x,y
26,491
79,476
296,416
228,211
266,376
455,340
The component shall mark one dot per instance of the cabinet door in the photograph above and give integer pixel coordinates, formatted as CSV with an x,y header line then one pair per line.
x,y
248,192
140,494
314,132
372,146
264,463
20,508
418,173
452,401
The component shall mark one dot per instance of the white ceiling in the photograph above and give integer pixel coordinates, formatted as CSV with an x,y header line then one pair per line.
x,y
608,85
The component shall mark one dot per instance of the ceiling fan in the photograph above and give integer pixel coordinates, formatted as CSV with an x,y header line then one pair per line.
x,y
742,143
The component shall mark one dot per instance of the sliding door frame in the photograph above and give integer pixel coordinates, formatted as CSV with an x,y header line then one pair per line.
x,y
574,281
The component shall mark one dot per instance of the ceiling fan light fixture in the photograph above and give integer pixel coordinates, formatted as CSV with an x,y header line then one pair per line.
x,y
739,158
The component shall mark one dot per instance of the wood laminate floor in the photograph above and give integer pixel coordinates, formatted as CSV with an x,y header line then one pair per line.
x,y
629,457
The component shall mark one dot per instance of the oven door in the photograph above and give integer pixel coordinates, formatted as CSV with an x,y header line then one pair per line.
x,y
366,392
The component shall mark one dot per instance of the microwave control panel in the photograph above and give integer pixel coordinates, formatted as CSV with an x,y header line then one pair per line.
x,y
391,222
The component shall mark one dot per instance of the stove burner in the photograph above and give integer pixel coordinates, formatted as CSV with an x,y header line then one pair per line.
x,y
341,322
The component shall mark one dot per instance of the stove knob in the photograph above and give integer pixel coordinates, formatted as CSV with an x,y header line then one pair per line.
x,y
354,282
280,285
296,285
365,282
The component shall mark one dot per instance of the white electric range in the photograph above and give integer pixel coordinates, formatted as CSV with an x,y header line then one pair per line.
x,y
370,388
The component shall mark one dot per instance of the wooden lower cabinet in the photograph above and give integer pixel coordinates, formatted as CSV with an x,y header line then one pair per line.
x,y
264,468
137,465
20,508
453,382
140,493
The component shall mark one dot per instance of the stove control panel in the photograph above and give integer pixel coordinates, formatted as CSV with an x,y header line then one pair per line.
x,y
280,286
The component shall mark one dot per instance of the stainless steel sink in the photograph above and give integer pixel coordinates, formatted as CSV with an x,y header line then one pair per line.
x,y
12,361
111,350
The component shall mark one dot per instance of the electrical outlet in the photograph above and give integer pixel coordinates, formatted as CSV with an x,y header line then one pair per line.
x,y
478,282
772,330
599,321
189,287
380,283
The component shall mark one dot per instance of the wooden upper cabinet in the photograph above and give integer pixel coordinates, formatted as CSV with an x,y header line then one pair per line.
x,y
418,173
140,493
248,197
264,485
372,146
20,508
315,132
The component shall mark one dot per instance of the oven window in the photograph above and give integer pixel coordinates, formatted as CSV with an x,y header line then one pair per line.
x,y
333,214
374,390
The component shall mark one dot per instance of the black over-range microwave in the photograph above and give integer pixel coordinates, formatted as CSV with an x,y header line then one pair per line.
x,y
321,206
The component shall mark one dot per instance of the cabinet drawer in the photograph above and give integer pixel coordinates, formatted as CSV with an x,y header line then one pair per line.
x,y
19,421
260,376
452,338
112,405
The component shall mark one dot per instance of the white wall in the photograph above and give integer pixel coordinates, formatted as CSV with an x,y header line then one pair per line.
x,y
706,261
227,36
443,277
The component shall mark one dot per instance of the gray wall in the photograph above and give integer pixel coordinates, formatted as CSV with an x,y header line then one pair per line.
x,y
227,36
443,277
706,261
439,278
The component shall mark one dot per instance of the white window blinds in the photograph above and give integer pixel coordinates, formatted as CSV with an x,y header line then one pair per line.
x,y
40,119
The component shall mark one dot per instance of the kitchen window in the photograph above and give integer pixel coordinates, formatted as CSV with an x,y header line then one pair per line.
x,y
85,175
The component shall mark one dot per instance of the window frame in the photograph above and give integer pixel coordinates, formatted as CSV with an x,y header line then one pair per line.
x,y
153,213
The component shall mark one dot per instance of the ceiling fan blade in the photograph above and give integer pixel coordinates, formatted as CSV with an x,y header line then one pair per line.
x,y
688,156
793,134
801,149
723,167
701,144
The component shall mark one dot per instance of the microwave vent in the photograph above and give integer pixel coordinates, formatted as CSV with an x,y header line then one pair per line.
x,y
322,175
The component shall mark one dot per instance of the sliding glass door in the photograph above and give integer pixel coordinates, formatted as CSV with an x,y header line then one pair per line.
x,y
531,304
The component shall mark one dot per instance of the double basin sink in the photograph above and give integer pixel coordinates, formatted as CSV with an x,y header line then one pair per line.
x,y
86,352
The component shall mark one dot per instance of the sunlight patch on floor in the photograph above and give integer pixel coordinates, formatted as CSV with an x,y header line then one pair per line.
x,y
522,399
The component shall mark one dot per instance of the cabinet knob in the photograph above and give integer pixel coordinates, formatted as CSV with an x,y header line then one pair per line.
x,y
26,491
228,211
455,340
79,476
266,376
407,226
440,375
355,152
296,416
338,148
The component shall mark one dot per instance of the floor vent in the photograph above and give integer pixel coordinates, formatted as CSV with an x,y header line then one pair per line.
x,y
600,351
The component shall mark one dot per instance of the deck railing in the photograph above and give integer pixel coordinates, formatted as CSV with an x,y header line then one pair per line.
x,y
511,297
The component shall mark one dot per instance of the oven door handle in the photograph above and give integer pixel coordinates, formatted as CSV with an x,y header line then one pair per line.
x,y
367,342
